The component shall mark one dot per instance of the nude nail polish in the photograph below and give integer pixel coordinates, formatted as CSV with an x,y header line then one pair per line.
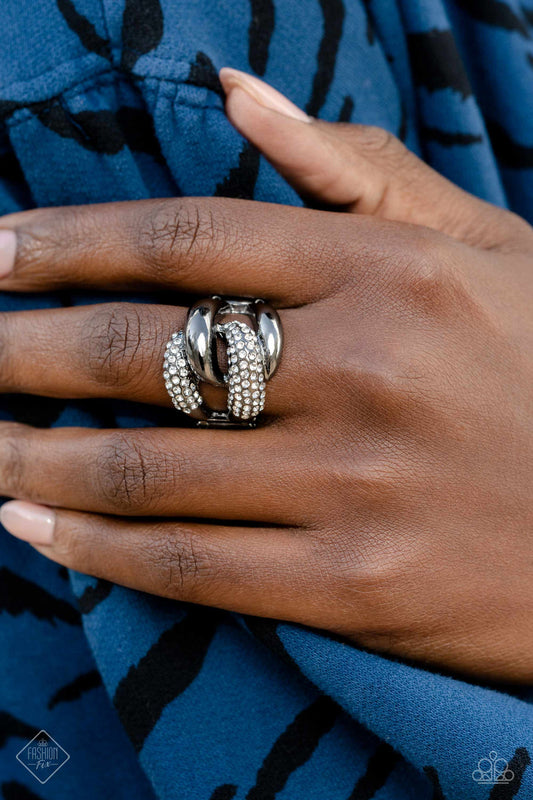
x,y
28,521
8,247
261,92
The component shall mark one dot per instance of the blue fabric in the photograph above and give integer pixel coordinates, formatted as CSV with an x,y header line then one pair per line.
x,y
119,99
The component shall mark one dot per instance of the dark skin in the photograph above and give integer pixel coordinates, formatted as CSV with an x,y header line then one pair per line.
x,y
388,496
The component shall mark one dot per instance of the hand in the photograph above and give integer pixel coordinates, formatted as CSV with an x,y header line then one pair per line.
x,y
388,498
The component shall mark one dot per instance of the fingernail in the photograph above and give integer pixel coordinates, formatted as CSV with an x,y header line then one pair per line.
x,y
8,247
28,521
261,92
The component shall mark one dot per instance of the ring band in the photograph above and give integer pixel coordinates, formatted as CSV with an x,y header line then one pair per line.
x,y
252,335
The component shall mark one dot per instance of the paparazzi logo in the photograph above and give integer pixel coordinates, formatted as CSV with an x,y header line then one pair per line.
x,y
493,770
43,757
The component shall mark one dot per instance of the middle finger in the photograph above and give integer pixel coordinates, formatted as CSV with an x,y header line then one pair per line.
x,y
233,475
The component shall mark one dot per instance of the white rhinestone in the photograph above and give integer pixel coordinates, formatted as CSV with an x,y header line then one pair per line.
x,y
187,392
172,359
182,362
255,394
246,393
172,370
175,379
166,375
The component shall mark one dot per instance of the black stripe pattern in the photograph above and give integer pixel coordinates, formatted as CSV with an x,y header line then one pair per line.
x,y
13,790
19,595
84,29
167,669
76,688
436,62
142,30
241,179
293,748
333,13
11,726
260,33
449,138
94,595
378,770
496,13
518,764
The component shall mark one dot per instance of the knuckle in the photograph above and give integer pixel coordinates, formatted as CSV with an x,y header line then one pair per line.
x,y
125,471
513,233
372,487
135,474
41,239
176,234
8,372
429,279
182,562
371,577
70,540
370,387
377,140
13,465
111,346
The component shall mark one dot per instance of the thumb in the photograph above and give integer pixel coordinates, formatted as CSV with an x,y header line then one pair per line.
x,y
365,169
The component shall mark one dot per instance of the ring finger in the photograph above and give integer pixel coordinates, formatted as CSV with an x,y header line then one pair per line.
x,y
110,350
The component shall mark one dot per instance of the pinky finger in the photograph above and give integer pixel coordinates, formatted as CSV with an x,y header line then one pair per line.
x,y
259,571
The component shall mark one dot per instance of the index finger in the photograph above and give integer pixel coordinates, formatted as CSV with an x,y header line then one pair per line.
x,y
197,245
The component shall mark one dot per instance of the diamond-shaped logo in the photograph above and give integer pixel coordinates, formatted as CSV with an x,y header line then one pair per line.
x,y
43,756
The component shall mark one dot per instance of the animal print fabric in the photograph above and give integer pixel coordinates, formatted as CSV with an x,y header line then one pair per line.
x,y
105,100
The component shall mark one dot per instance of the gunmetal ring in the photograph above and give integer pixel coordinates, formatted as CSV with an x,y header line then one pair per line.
x,y
250,330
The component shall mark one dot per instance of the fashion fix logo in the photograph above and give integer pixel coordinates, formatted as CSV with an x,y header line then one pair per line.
x,y
43,756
